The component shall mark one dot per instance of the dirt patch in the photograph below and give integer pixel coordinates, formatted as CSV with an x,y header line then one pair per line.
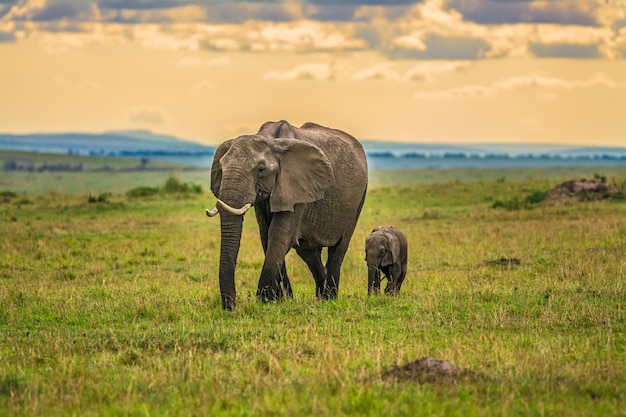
x,y
583,189
427,370
504,261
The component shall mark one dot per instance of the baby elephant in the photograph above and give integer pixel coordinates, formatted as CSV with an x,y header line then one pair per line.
x,y
386,251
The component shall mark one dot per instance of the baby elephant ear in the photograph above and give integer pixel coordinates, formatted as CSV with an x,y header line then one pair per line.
x,y
305,174
392,255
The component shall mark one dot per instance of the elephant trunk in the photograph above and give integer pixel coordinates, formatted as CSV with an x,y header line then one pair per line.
x,y
373,279
231,227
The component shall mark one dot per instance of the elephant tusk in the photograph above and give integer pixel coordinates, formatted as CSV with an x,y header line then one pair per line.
x,y
229,209
211,213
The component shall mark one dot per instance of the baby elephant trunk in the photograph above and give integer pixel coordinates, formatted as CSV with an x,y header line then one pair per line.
x,y
373,279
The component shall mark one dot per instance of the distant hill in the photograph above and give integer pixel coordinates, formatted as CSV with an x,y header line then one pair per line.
x,y
515,150
381,154
134,143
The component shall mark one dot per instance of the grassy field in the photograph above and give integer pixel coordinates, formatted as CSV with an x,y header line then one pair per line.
x,y
121,177
110,305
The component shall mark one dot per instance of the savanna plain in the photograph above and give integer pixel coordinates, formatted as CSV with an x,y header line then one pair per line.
x,y
109,301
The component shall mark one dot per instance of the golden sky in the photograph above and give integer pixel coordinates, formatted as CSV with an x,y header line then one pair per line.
x,y
434,71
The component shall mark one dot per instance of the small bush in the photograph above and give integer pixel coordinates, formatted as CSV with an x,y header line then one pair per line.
x,y
142,192
536,197
174,186
513,204
100,198
7,194
600,177
23,200
517,203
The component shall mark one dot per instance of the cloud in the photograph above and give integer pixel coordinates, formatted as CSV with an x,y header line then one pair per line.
x,y
450,33
185,14
202,87
7,36
457,93
24,10
440,47
146,115
422,30
302,72
428,70
565,50
546,86
569,12
305,36
542,81
194,62
424,71
45,11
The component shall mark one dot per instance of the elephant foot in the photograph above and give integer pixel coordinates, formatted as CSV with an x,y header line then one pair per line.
x,y
391,290
228,302
268,294
373,291
329,293
286,290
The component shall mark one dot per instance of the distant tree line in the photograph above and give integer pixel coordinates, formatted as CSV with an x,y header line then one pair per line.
x,y
14,166
464,155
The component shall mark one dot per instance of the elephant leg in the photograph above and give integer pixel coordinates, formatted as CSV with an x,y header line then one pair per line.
x,y
313,259
401,278
336,254
333,266
285,285
394,274
273,282
264,220
373,280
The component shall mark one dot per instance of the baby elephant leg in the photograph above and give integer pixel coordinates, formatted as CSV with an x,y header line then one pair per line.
x,y
373,280
395,278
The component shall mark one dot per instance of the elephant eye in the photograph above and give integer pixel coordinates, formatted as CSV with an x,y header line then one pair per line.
x,y
261,169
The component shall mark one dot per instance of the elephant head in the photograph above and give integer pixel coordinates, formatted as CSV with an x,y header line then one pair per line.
x,y
382,248
272,167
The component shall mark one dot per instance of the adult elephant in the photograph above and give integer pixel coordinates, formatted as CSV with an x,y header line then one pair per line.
x,y
307,186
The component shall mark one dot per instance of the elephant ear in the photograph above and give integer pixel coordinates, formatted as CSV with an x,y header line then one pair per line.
x,y
216,168
280,129
393,252
305,174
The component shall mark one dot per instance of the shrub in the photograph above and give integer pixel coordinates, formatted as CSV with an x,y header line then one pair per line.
x,y
142,192
100,198
174,186
517,203
513,204
600,177
8,194
536,197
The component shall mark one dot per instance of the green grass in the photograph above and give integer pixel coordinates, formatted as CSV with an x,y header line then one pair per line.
x,y
112,308
114,175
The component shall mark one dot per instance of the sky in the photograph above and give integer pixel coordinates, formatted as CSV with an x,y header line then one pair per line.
x,y
430,71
